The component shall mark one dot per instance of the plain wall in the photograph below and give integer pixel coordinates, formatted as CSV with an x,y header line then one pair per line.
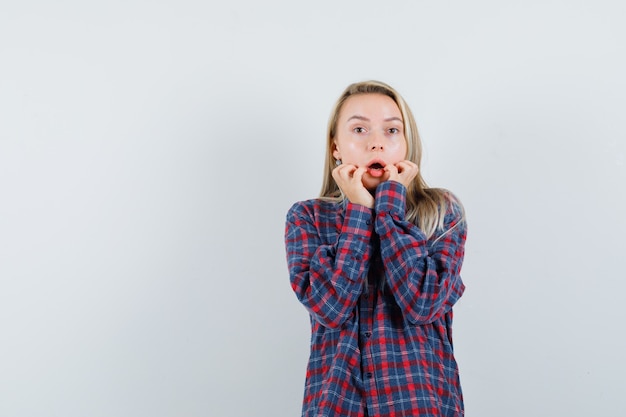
x,y
149,151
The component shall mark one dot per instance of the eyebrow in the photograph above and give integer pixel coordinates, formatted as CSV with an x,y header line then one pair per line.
x,y
365,119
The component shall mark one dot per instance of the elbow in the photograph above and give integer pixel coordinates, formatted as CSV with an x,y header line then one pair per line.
x,y
420,317
329,314
326,305
425,311
428,311
329,320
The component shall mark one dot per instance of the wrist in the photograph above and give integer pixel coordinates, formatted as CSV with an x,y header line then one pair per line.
x,y
366,202
391,198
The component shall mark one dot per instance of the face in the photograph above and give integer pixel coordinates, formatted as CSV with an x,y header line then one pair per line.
x,y
370,133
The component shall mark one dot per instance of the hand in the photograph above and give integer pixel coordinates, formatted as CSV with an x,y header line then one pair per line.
x,y
403,172
349,178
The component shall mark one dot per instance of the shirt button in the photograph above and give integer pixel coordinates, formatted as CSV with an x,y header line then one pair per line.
x,y
368,334
368,375
368,222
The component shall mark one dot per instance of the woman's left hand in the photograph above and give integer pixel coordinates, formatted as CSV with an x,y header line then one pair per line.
x,y
403,172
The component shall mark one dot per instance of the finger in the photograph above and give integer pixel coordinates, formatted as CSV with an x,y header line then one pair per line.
x,y
403,165
358,173
343,175
344,169
348,171
391,169
337,173
412,165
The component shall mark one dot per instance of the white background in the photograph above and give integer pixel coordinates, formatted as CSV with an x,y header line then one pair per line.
x,y
149,151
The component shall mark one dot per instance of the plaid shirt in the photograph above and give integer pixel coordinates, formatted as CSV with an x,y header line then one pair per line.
x,y
380,297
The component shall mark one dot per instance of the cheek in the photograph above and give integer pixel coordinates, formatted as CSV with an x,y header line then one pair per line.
x,y
349,148
400,149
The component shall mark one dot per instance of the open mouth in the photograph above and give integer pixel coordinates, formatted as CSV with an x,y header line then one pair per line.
x,y
376,169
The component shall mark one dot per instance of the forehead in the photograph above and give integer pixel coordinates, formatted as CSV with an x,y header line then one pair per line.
x,y
371,105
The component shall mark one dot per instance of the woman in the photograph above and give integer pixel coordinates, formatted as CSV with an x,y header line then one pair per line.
x,y
376,261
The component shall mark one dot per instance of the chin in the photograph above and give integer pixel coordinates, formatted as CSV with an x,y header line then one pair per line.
x,y
371,184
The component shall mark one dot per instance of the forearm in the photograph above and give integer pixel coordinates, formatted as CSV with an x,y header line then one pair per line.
x,y
327,277
423,275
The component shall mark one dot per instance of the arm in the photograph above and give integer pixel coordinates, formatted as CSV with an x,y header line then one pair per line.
x,y
328,278
422,275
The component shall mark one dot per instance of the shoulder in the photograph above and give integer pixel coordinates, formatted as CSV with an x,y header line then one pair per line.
x,y
445,199
453,203
454,218
313,208
450,206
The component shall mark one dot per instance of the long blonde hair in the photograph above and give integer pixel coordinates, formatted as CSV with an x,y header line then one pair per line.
x,y
426,207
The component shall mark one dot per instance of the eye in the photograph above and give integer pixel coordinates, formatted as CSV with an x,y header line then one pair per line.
x,y
394,130
359,130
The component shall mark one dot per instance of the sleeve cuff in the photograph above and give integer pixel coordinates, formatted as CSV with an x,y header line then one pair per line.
x,y
358,220
391,198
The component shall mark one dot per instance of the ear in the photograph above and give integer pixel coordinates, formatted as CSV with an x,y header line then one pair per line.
x,y
336,153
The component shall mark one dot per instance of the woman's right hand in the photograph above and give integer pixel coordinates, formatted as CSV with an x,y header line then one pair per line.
x,y
349,178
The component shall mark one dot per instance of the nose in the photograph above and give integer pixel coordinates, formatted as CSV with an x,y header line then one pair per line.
x,y
376,143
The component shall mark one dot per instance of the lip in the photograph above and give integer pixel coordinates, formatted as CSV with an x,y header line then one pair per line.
x,y
376,161
376,172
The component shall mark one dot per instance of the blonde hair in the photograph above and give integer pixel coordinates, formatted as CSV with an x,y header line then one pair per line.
x,y
426,207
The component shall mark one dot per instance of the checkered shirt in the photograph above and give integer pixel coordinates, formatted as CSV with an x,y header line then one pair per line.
x,y
380,297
